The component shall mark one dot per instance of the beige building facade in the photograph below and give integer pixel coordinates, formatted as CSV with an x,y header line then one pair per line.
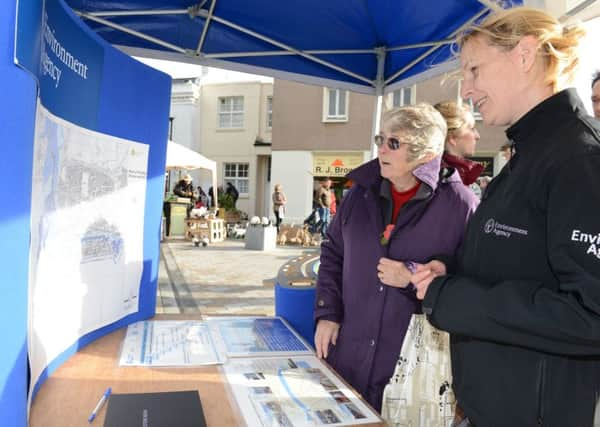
x,y
262,134
320,132
230,123
235,123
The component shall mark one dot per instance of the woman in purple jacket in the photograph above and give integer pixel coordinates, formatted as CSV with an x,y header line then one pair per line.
x,y
401,209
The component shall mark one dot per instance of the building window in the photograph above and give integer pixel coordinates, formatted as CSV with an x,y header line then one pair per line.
x,y
237,174
231,112
269,112
335,105
474,110
469,102
404,96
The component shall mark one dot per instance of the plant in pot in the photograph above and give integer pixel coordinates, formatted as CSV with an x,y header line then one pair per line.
x,y
227,211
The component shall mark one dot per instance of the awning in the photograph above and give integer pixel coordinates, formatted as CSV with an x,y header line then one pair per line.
x,y
181,157
368,46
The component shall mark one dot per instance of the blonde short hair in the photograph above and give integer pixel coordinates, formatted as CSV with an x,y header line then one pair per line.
x,y
422,127
557,44
455,115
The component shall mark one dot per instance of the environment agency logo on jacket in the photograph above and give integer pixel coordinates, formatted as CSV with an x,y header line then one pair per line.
x,y
494,227
591,238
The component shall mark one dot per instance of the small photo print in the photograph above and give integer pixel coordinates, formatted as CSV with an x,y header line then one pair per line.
x,y
275,413
339,396
255,376
355,411
327,383
260,390
327,416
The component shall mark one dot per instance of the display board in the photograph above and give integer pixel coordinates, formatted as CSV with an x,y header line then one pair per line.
x,y
98,166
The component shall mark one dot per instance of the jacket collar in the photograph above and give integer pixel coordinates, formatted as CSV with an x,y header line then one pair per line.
x,y
550,110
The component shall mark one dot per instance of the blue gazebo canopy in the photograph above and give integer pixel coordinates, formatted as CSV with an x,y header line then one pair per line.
x,y
369,46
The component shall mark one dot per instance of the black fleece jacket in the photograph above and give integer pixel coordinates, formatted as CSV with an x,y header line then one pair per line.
x,y
523,306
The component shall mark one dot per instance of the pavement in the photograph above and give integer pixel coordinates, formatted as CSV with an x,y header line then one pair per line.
x,y
222,278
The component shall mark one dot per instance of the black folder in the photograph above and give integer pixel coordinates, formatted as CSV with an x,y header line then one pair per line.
x,y
162,409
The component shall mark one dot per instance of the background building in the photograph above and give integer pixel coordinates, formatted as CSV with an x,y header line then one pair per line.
x,y
320,132
229,121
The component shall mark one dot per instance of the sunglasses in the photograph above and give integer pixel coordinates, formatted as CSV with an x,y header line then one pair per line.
x,y
392,142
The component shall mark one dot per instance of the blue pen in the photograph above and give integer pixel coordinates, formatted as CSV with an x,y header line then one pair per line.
x,y
103,399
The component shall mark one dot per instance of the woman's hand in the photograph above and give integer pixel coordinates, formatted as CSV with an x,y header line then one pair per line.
x,y
425,274
393,273
327,332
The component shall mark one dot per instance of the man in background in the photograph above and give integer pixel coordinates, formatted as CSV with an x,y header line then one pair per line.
x,y
233,192
185,188
323,202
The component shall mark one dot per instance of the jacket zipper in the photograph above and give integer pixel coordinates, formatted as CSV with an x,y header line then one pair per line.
x,y
540,389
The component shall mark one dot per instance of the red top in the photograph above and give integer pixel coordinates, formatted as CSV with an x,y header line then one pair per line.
x,y
333,204
400,198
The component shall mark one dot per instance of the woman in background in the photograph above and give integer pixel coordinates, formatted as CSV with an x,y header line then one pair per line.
x,y
461,140
279,201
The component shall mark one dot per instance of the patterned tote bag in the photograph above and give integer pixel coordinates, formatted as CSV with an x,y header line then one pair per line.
x,y
420,393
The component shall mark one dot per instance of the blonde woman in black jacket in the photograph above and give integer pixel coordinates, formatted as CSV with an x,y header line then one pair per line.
x,y
522,301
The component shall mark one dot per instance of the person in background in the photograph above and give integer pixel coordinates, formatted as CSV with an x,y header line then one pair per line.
x,y
347,186
402,207
233,192
202,198
461,140
279,201
185,188
333,203
596,94
483,182
323,202
506,150
522,301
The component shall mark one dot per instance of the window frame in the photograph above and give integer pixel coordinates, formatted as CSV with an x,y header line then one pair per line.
x,y
236,179
402,96
230,113
476,114
269,108
337,117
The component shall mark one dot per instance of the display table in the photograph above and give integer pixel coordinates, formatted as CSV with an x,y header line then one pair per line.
x,y
69,395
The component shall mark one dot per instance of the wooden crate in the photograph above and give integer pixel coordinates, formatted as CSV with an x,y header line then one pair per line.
x,y
196,227
212,229
216,229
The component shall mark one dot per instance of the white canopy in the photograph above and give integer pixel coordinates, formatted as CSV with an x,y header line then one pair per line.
x,y
181,157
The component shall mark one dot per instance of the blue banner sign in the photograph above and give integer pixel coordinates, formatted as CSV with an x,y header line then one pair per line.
x,y
66,59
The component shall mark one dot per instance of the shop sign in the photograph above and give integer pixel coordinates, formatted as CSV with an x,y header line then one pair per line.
x,y
335,164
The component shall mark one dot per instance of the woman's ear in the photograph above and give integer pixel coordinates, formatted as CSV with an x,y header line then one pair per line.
x,y
451,140
526,52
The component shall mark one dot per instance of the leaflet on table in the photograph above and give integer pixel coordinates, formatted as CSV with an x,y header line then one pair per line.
x,y
169,343
256,336
293,392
